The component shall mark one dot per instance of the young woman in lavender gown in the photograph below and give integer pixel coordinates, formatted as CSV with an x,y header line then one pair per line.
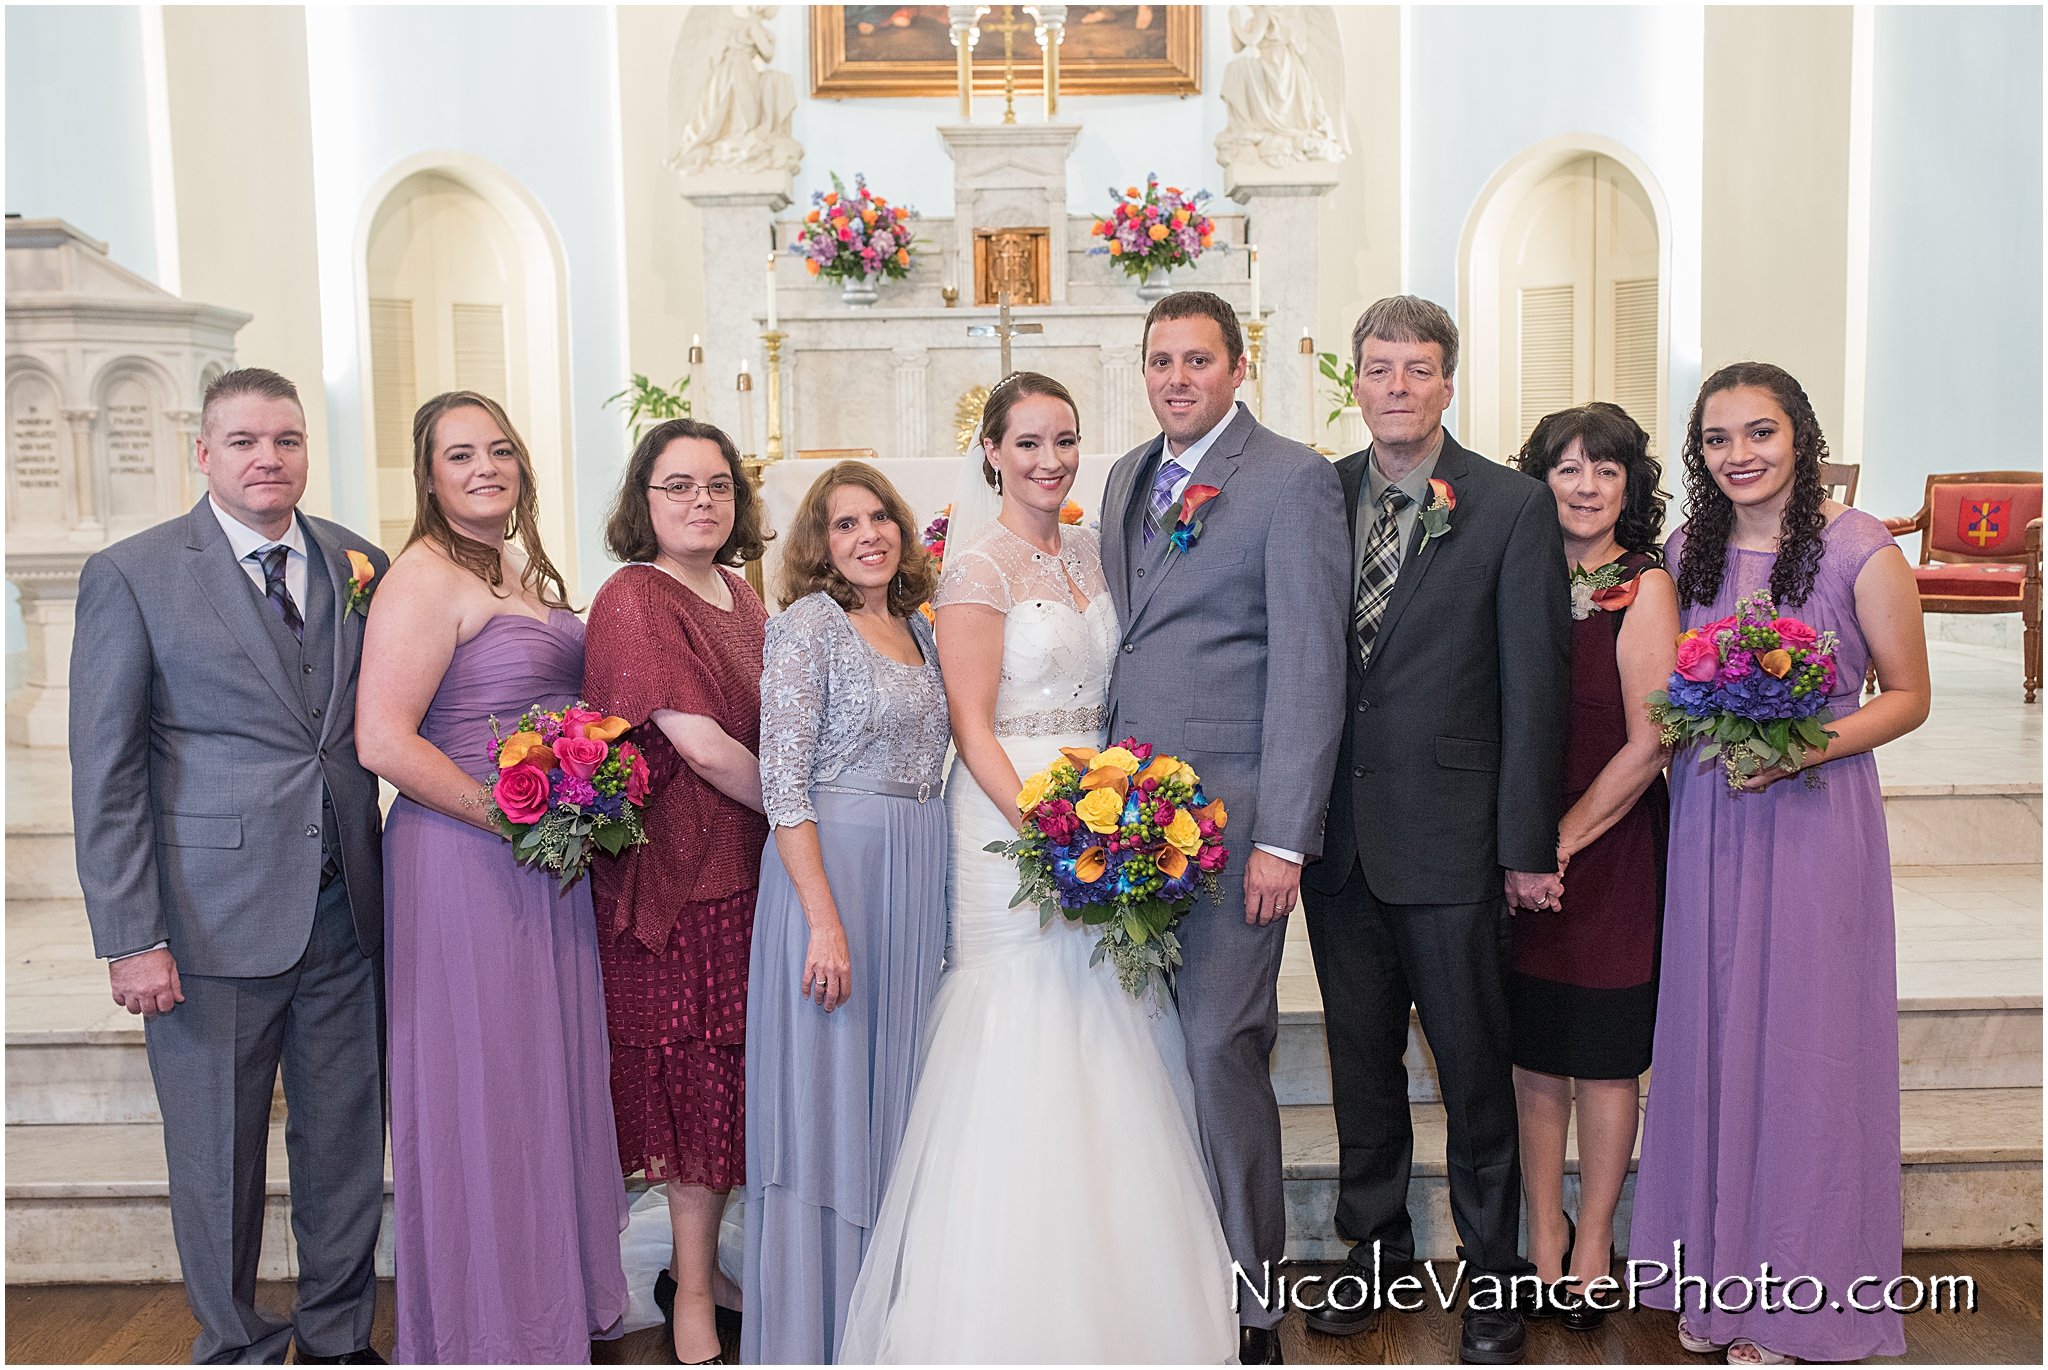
x,y
674,648
1582,997
1772,1128
508,1201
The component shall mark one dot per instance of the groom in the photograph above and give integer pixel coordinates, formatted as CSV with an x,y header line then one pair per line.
x,y
1232,659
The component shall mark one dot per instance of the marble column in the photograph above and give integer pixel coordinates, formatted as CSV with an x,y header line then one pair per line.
x,y
738,227
1284,219
1122,401
185,423
39,715
84,473
912,411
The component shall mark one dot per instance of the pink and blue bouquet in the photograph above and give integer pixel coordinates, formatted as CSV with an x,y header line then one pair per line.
x,y
1120,839
1752,689
568,787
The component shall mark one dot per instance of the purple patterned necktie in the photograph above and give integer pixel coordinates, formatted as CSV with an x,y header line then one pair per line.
x,y
1171,473
272,561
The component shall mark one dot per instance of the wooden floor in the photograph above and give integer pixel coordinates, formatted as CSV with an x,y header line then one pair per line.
x,y
145,1324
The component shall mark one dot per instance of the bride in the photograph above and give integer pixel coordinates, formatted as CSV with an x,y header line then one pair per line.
x,y
1050,1201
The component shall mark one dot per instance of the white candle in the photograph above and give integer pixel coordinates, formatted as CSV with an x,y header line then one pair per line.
x,y
771,293
1254,250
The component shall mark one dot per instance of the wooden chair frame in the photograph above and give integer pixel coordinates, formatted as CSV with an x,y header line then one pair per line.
x,y
2027,603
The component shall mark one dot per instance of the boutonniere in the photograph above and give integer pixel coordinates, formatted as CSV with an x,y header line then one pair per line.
x,y
1187,527
1436,515
1603,589
360,574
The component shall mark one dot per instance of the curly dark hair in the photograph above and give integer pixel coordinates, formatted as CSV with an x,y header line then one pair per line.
x,y
807,562
1605,432
629,529
1710,514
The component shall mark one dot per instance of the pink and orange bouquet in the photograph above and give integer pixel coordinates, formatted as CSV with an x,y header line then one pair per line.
x,y
1752,689
1154,229
855,237
567,789
1119,838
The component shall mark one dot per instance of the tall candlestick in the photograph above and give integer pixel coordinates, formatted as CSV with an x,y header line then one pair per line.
x,y
1253,248
774,337
696,372
1255,347
744,384
771,293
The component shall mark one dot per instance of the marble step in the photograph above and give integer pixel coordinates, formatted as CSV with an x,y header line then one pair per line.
x,y
1970,1171
1969,966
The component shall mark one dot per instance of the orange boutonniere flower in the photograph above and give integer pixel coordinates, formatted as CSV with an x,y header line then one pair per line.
x,y
1188,526
360,573
1616,596
1436,515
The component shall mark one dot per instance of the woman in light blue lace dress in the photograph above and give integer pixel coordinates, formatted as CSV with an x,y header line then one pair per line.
x,y
850,925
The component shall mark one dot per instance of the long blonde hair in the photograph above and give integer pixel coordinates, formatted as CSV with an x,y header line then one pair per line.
x,y
429,522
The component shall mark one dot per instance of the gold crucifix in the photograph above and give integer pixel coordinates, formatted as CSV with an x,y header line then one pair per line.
x,y
1004,329
1009,28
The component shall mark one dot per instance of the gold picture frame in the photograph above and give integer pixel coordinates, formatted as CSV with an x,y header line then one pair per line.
x,y
901,55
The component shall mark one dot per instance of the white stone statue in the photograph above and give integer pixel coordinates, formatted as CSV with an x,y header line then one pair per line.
x,y
1283,90
736,113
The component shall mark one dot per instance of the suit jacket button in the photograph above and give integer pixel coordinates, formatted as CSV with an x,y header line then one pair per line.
x,y
1358,772
1364,704
1141,573
317,713
312,830
307,669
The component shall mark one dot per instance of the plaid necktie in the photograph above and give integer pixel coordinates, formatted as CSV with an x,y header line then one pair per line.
x,y
1377,573
1170,474
272,561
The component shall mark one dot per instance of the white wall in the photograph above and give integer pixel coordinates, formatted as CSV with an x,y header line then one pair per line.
x,y
1955,248
1483,83
77,125
531,90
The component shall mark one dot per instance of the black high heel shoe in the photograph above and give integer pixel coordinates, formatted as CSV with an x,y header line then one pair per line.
x,y
723,1318
1546,1306
1576,1312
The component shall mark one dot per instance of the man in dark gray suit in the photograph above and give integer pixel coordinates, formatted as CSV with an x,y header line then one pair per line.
x,y
1447,789
234,878
1232,659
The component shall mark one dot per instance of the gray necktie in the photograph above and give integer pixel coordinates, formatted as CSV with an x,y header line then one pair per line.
x,y
1380,568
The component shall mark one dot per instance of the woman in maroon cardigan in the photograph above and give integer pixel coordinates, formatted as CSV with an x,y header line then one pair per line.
x,y
674,647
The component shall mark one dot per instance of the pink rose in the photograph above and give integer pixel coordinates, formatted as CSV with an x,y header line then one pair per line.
x,y
1162,813
1698,657
580,756
1792,633
522,793
575,720
1214,858
636,773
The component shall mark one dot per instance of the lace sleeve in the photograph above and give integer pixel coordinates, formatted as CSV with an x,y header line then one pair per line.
x,y
973,577
794,687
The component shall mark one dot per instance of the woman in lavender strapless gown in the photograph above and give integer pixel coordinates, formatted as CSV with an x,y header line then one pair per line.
x,y
508,1200
1772,1128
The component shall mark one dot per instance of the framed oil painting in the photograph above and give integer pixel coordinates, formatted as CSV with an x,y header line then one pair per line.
x,y
885,50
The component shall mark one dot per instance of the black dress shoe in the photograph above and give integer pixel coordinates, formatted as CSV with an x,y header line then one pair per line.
x,y
1546,1305
1259,1346
367,1356
1578,1314
1493,1337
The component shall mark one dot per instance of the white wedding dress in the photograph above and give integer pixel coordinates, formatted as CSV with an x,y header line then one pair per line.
x,y
1049,1202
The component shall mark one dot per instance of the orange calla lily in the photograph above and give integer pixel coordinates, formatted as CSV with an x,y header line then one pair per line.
x,y
1159,768
1080,756
543,757
607,729
515,748
1107,778
1171,862
1777,662
1090,864
1214,812
359,568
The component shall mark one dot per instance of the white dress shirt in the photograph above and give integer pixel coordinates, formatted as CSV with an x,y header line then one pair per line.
x,y
1188,461
244,540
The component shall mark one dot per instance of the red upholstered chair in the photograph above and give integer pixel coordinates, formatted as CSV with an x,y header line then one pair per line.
x,y
1980,551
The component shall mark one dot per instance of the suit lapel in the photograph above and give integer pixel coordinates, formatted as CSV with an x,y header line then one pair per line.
x,y
347,636
227,587
1450,467
1217,467
1116,505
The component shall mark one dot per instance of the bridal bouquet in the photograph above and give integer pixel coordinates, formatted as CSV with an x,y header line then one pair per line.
x,y
1753,688
1120,839
567,789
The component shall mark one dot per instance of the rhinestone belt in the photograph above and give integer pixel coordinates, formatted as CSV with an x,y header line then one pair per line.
x,y
1051,722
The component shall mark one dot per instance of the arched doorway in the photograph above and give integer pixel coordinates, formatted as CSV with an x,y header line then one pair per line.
x,y
462,291
1565,295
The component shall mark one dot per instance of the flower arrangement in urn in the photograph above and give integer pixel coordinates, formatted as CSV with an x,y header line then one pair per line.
x,y
1119,839
1150,232
855,238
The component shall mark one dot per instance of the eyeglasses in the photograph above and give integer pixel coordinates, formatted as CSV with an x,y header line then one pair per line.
x,y
720,489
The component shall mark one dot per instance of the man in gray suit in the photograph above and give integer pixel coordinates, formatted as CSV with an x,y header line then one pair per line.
x,y
228,846
1231,658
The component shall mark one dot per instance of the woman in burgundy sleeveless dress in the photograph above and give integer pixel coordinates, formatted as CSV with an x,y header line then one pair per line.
x,y
1583,990
1772,1128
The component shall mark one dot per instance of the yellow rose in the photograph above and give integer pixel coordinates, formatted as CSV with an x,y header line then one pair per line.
x,y
1182,833
1187,773
1117,757
1033,793
1100,809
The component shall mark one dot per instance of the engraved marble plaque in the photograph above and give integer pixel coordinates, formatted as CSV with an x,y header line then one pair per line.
x,y
34,458
128,422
